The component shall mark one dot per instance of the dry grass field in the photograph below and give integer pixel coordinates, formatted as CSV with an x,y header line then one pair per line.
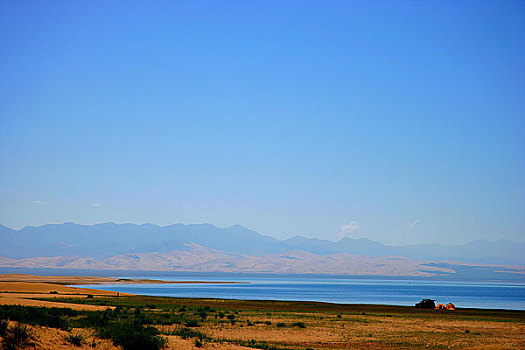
x,y
233,324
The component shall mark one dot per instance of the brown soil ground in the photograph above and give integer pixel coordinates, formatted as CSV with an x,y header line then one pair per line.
x,y
290,325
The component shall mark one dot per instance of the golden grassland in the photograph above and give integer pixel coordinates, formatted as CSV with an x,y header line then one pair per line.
x,y
235,324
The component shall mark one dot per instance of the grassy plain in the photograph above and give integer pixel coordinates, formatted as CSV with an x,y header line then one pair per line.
x,y
102,320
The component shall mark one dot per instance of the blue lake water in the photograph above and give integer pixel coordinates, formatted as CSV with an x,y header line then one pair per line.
x,y
493,295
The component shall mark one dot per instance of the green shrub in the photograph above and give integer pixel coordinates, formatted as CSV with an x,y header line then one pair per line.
x,y
75,339
258,345
192,323
280,324
38,316
17,337
132,336
3,328
198,343
299,324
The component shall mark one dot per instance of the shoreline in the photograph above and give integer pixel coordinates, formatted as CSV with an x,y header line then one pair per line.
x,y
235,324
510,279
83,280
28,290
22,289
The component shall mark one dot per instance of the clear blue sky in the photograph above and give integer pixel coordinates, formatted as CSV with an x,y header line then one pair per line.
x,y
400,121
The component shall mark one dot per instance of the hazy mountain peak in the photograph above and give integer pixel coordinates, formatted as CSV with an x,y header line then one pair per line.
x,y
202,225
109,224
109,239
239,227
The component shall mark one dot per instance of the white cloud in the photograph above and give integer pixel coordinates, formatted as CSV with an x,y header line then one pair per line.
x,y
413,223
97,204
38,202
347,229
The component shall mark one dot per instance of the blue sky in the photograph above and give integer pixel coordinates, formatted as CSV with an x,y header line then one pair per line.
x,y
399,121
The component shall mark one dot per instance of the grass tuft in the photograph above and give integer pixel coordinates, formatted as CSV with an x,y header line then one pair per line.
x,y
299,324
186,333
75,339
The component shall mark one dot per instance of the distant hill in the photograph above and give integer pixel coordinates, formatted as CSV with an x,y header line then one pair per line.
x,y
203,246
501,252
108,239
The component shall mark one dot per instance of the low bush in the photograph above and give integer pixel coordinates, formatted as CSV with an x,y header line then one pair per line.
x,y
38,316
258,345
192,323
299,324
132,336
16,337
3,328
75,339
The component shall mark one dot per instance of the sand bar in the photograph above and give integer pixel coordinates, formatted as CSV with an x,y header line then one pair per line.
x,y
75,280
23,289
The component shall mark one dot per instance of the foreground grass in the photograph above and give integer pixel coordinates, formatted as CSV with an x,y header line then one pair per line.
x,y
144,322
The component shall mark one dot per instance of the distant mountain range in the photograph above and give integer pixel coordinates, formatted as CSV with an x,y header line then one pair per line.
x,y
204,247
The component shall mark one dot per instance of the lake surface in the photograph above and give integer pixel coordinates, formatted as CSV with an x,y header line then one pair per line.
x,y
493,295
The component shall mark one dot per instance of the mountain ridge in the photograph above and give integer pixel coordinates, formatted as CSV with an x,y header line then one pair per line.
x,y
199,259
109,239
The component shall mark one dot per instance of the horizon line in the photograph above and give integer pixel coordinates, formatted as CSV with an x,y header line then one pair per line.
x,y
244,227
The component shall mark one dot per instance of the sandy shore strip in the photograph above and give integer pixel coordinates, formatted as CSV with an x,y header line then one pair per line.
x,y
23,289
25,293
75,280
